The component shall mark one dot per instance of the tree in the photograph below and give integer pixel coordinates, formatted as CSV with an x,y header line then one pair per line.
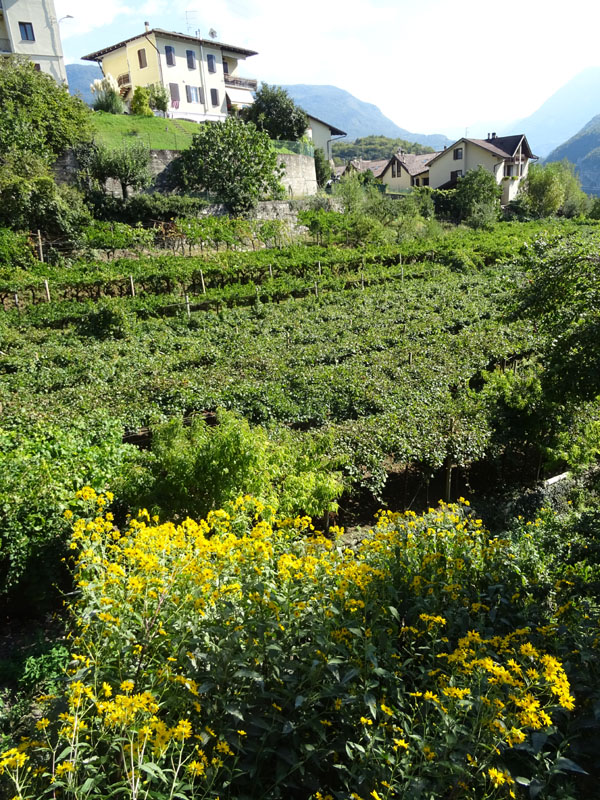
x,y
477,198
106,95
554,189
158,97
275,112
36,115
127,165
322,168
140,105
232,159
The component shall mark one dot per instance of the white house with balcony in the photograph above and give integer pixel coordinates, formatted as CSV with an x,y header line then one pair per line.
x,y
506,157
201,75
29,28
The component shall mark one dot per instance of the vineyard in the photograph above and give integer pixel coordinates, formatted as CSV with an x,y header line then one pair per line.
x,y
325,382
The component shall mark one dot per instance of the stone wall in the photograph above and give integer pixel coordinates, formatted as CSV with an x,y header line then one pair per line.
x,y
299,180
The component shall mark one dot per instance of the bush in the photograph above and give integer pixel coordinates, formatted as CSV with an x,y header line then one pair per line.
x,y
140,103
248,656
107,96
145,209
15,250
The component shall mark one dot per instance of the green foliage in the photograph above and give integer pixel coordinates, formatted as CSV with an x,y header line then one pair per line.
x,y
554,189
204,467
113,236
15,250
42,464
128,165
140,103
36,115
477,198
322,168
109,100
39,203
274,112
158,97
232,160
375,148
144,209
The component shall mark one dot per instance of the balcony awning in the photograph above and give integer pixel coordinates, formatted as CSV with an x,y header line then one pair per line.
x,y
239,97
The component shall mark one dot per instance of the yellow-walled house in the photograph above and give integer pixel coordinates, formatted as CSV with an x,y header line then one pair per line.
x,y
30,28
405,170
506,157
200,75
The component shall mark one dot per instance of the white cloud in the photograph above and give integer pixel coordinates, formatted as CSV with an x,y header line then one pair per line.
x,y
88,16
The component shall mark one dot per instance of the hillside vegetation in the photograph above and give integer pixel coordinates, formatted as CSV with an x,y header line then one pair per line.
x,y
156,133
375,147
583,151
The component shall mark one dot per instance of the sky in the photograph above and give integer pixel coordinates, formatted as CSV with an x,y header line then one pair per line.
x,y
431,66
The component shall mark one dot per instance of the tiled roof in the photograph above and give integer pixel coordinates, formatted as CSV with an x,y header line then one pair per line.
x,y
172,34
376,167
415,164
501,146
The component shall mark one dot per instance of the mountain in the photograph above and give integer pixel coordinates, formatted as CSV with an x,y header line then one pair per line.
x,y
583,150
79,78
357,118
563,114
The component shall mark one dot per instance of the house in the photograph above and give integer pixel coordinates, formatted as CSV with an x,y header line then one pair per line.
x,y
405,170
201,75
322,134
506,157
30,28
364,165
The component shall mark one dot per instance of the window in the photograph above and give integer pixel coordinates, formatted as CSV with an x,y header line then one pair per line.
x,y
455,174
142,58
174,89
193,94
225,67
394,169
191,59
417,181
509,170
170,55
26,29
214,97
458,153
425,181
212,63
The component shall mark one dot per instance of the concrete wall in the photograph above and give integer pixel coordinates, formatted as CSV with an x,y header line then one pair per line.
x,y
299,180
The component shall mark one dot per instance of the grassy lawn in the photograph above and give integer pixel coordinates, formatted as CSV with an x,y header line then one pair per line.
x,y
155,132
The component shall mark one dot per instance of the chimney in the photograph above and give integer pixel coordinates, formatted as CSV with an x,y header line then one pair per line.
x,y
147,26
494,135
488,137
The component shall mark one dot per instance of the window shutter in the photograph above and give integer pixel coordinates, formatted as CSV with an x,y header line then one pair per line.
x,y
201,94
142,58
214,97
170,55
188,93
191,59
174,88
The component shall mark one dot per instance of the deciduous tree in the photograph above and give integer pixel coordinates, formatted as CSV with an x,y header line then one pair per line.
x,y
275,112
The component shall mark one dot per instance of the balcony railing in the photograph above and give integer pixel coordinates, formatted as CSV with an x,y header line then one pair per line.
x,y
5,46
299,148
242,83
124,79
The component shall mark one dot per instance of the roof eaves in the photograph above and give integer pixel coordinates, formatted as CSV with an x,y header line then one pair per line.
x,y
98,54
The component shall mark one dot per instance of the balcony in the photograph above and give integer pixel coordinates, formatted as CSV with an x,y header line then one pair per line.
x,y
5,46
124,80
241,83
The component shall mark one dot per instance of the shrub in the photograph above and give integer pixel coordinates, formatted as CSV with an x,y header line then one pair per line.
x,y
140,105
248,656
107,96
15,250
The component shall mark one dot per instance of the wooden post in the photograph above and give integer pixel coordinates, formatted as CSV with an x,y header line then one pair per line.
x,y
319,263
187,306
316,289
16,300
362,282
271,271
47,288
40,245
202,281
448,479
410,359
132,286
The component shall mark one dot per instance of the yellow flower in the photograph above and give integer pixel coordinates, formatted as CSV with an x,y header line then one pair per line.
x,y
242,733
126,686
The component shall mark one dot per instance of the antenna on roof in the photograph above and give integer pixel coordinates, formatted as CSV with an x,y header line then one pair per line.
x,y
212,33
190,20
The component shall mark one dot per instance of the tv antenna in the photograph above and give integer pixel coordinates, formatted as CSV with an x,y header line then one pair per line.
x,y
190,19
212,33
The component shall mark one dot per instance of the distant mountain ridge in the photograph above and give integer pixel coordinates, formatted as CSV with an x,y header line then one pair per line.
x,y
80,77
583,150
357,118
563,114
